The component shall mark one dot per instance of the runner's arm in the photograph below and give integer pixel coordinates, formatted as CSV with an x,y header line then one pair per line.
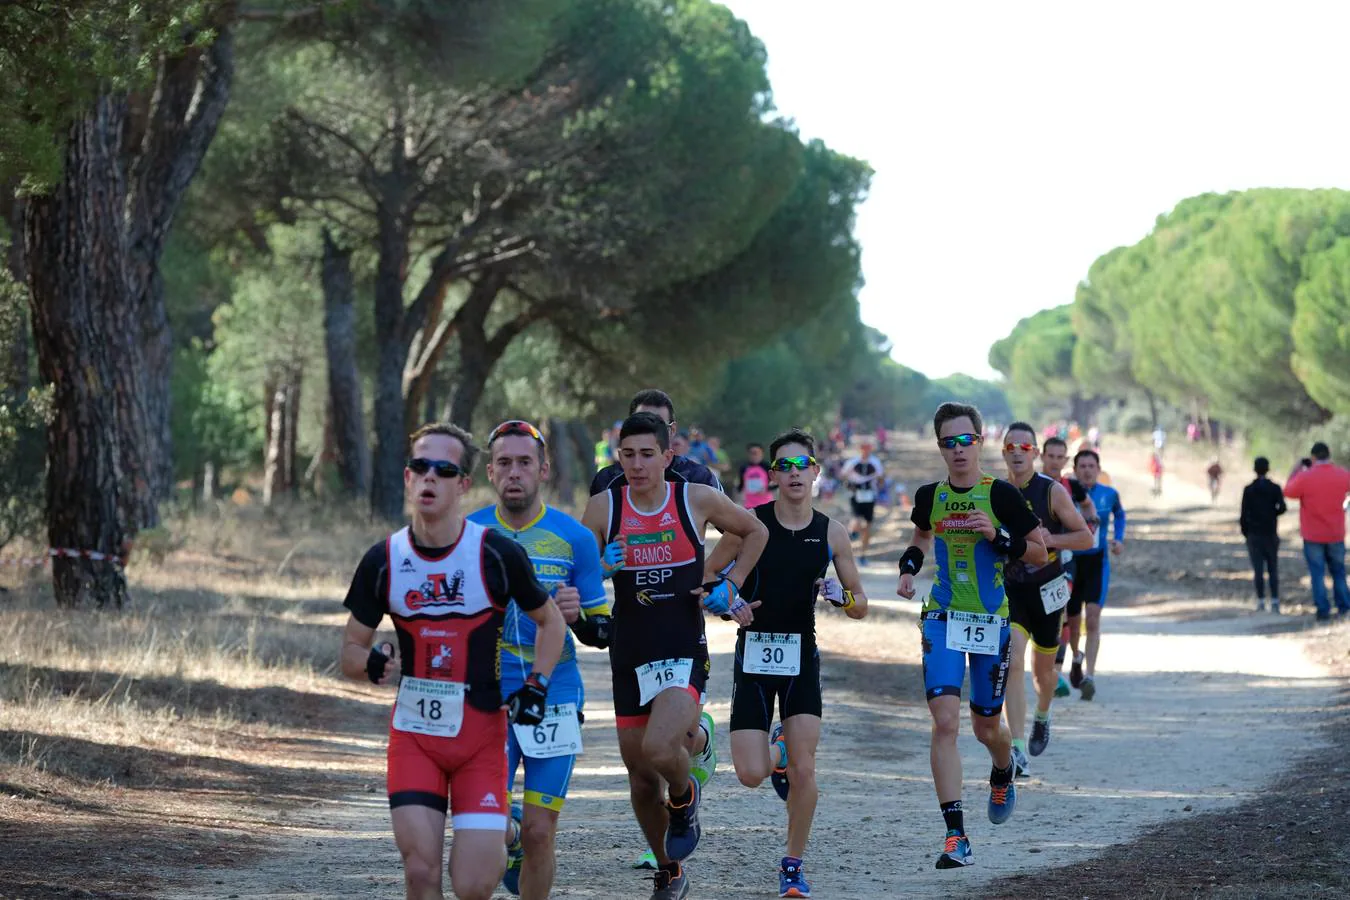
x,y
841,548
1076,535
596,519
722,557
1118,519
367,599
718,510
592,627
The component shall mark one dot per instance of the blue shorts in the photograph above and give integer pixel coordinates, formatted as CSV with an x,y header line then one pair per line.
x,y
546,780
944,670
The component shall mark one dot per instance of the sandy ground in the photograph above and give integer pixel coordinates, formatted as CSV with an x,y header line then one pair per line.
x,y
1200,704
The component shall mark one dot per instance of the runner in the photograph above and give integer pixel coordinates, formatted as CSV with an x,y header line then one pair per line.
x,y
863,474
1093,578
1054,457
1037,594
446,583
652,532
776,656
1214,474
567,563
681,468
977,523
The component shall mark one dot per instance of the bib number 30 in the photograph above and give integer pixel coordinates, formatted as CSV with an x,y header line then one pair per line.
x,y
558,735
663,674
772,654
974,633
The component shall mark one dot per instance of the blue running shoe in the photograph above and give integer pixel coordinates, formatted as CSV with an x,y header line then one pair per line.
x,y
779,777
955,852
683,832
1002,802
646,861
703,766
791,882
1062,687
515,854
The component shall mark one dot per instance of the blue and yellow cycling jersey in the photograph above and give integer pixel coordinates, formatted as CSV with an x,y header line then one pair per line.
x,y
563,552
1110,512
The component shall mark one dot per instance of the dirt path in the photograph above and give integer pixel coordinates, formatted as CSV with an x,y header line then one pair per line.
x,y
1199,707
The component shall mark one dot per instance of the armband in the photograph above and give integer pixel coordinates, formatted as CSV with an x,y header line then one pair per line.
x,y
1009,546
375,665
911,562
592,630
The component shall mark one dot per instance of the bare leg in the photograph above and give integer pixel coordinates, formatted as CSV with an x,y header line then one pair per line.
x,y
539,830
802,733
419,832
942,753
477,862
1094,636
1015,699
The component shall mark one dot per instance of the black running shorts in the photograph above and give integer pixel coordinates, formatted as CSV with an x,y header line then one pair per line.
x,y
753,696
1026,613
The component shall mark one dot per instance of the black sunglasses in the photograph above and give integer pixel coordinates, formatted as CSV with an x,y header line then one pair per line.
x,y
444,467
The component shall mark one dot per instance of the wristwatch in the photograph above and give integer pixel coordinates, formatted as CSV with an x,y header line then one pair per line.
x,y
539,679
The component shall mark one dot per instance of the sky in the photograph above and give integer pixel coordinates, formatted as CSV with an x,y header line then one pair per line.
x,y
1014,143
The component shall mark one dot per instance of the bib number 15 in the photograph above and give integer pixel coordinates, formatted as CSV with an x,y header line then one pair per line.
x,y
974,633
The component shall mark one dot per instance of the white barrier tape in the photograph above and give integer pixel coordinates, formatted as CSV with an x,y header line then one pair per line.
x,y
37,561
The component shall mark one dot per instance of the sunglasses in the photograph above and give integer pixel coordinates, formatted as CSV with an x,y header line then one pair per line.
x,y
516,426
444,467
788,463
958,440
1025,448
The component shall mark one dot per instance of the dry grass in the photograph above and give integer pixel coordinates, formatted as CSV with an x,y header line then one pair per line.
x,y
177,730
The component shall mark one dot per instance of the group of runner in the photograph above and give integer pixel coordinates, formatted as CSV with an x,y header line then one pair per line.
x,y
486,608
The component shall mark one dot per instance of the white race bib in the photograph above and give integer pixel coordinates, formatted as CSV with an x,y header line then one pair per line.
x,y
864,495
655,677
1055,594
974,632
558,735
754,485
430,707
772,654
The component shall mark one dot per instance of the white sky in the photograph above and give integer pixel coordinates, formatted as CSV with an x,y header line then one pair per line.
x,y
1014,143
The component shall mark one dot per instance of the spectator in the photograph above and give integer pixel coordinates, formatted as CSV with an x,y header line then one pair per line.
x,y
680,443
753,482
604,450
699,451
1320,487
1262,506
1215,475
721,463
1155,468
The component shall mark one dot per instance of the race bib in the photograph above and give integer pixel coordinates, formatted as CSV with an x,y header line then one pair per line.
x,y
1055,594
864,495
558,735
754,485
430,707
974,632
655,677
772,654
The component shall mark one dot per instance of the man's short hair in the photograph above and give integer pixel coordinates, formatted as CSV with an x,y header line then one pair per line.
x,y
1320,451
1086,452
1262,465
449,429
950,410
517,426
653,398
1022,426
1057,441
754,445
646,423
792,436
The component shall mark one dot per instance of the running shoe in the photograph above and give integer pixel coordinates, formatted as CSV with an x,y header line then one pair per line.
x,y
703,766
1002,802
1021,765
515,853
646,861
1260,604
1062,688
1089,688
1076,670
668,885
791,881
683,832
1040,737
1275,607
779,778
955,852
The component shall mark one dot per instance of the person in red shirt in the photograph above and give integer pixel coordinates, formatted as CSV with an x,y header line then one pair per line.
x,y
1320,486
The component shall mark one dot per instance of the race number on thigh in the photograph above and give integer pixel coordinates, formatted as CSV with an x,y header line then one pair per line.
x,y
974,632
655,677
772,654
1055,594
430,707
558,735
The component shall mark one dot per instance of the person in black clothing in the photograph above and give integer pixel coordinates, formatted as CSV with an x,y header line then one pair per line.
x,y
1262,505
681,468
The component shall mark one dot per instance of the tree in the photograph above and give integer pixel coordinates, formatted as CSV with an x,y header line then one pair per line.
x,y
1321,327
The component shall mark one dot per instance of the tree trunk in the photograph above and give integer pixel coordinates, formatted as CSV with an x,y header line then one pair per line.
x,y
478,354
295,382
1152,408
561,460
17,377
391,439
280,473
87,339
344,381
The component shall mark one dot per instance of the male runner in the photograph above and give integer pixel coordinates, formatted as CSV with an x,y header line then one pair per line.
x,y
446,583
1093,578
566,562
1037,594
681,468
863,475
977,523
652,532
776,655
1054,458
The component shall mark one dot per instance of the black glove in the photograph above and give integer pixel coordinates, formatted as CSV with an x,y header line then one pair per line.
x,y
592,630
526,705
375,662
